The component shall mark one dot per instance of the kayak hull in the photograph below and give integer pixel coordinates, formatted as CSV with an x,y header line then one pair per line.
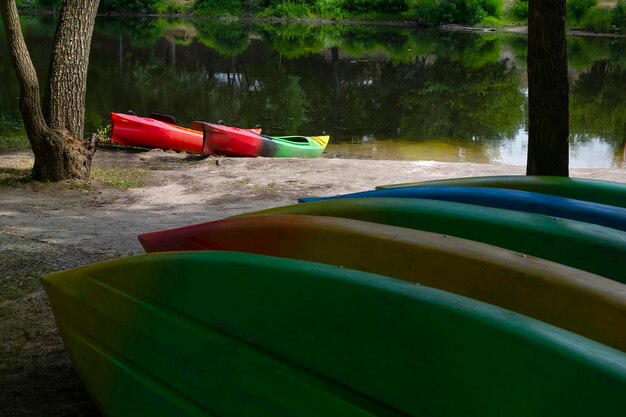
x,y
510,199
569,298
598,191
129,130
222,333
590,247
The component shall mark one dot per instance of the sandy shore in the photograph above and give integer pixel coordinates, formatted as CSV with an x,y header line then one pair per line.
x,y
45,228
186,190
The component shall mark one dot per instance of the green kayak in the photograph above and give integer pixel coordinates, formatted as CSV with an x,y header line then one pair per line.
x,y
590,247
233,334
598,191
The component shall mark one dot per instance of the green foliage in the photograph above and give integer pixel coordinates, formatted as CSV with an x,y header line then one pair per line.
x,y
219,7
375,6
424,11
290,9
436,12
335,9
598,20
604,19
520,9
331,9
577,9
104,131
143,6
619,16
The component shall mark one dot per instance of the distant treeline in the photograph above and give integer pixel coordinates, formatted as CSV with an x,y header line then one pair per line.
x,y
429,12
584,14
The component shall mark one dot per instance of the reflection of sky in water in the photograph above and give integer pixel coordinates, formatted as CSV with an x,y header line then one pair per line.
x,y
593,153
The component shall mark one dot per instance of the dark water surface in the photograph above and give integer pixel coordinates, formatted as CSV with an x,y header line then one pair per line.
x,y
380,92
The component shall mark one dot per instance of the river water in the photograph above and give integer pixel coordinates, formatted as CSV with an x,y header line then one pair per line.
x,y
381,92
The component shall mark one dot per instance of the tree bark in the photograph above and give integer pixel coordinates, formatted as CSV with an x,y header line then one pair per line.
x,y
56,134
64,104
548,89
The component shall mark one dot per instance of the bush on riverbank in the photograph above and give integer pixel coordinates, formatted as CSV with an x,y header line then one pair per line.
x,y
577,10
603,20
583,14
141,6
519,10
431,12
435,12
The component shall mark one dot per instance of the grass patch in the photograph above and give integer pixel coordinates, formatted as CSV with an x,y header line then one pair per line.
x,y
121,178
267,188
14,175
241,181
14,143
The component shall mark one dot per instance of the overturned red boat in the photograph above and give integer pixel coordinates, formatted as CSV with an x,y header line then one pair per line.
x,y
155,131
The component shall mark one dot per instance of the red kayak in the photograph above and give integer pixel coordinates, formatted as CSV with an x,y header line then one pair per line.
x,y
158,131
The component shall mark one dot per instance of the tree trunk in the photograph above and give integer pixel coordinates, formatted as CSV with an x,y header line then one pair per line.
x,y
64,104
56,134
548,90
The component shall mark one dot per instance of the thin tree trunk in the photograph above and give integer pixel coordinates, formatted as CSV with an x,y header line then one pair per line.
x,y
548,90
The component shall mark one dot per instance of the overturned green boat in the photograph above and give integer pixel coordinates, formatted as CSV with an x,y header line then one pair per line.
x,y
597,191
590,247
234,334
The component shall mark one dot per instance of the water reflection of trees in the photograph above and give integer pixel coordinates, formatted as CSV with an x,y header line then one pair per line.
x,y
353,81
10,120
598,105
38,32
229,38
356,82
447,100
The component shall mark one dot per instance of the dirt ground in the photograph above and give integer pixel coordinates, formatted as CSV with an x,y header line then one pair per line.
x,y
50,227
